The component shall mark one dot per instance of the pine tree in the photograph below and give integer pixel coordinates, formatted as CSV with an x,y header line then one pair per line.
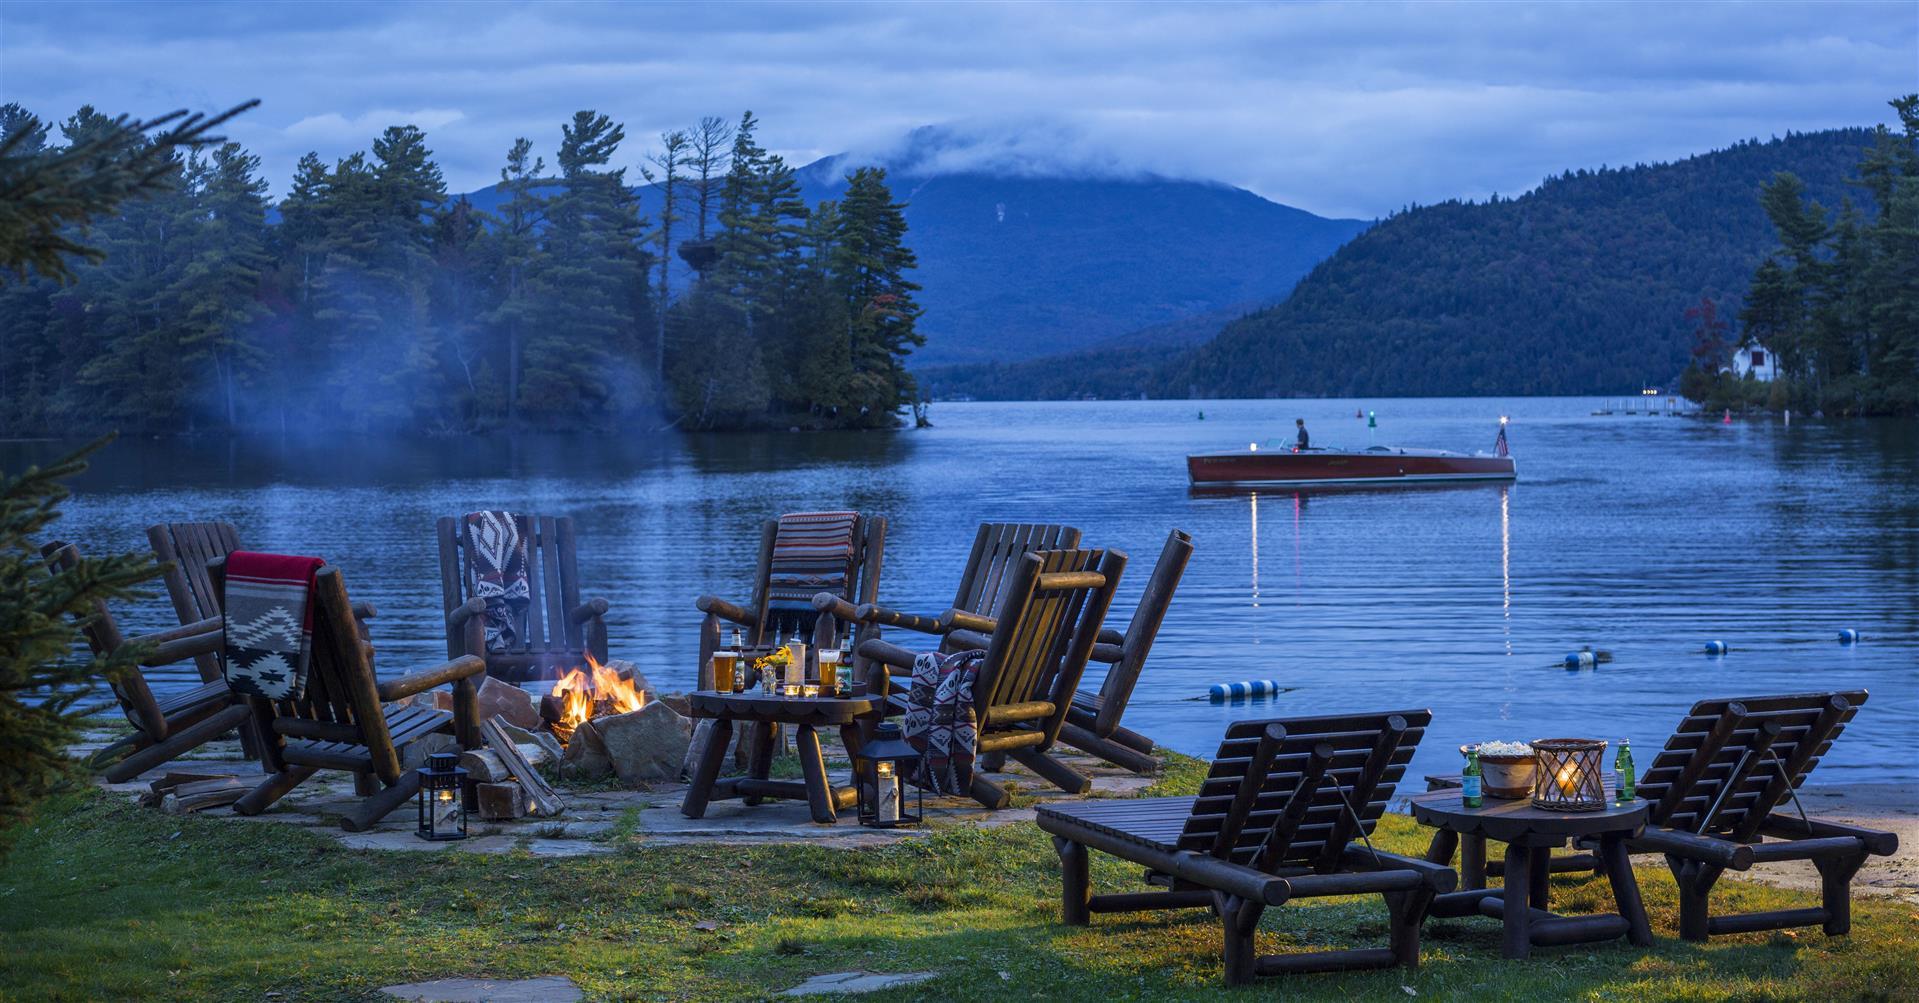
x,y
869,263
674,147
229,261
522,216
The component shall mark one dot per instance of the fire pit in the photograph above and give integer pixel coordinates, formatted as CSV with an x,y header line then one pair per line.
x,y
586,693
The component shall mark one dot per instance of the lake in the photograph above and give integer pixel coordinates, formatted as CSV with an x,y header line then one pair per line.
x,y
1644,536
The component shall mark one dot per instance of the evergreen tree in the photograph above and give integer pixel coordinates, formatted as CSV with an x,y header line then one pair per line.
x,y
869,263
228,262
522,216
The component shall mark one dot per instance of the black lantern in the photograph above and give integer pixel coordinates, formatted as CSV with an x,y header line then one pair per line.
x,y
880,780
442,809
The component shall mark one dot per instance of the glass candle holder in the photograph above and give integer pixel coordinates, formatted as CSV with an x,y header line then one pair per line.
x,y
791,689
810,690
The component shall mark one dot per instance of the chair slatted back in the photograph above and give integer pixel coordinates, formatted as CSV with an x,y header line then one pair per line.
x,y
103,635
184,550
997,549
862,584
553,582
1729,763
1117,688
1362,758
340,686
1053,604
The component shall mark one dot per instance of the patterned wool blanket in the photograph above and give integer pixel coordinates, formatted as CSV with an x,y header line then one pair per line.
x,y
268,624
941,723
812,552
497,573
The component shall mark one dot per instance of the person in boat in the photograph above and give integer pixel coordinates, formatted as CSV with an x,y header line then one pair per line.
x,y
1305,441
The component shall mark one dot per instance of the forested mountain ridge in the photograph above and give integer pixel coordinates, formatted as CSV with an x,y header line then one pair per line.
x,y
1579,286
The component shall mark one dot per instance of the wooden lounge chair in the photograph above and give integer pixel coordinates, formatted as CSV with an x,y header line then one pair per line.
x,y
184,549
1052,605
163,727
557,630
346,720
1092,723
1719,793
761,619
1274,821
997,548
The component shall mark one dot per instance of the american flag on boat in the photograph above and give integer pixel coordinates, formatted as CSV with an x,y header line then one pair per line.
x,y
1499,444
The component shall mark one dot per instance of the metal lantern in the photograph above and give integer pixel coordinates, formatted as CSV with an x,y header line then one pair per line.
x,y
442,808
1567,775
879,780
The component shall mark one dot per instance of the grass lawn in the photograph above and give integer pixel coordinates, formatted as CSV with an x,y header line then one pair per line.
x,y
102,900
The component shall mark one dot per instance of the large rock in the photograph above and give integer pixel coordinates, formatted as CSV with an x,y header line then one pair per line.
x,y
646,746
585,757
509,703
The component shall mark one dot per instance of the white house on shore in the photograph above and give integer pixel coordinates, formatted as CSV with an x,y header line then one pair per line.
x,y
1756,361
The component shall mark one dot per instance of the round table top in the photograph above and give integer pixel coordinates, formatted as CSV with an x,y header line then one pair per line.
x,y
1517,820
779,707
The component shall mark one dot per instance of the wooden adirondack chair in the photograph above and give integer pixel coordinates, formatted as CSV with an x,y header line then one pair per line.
x,y
997,548
558,630
1092,723
1051,607
163,727
346,719
761,619
1717,791
1274,821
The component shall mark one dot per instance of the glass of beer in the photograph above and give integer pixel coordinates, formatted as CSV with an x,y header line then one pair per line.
x,y
829,670
726,675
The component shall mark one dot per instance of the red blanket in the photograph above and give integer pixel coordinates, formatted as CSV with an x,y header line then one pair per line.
x,y
269,623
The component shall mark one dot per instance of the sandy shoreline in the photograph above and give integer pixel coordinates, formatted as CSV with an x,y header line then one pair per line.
x,y
1893,807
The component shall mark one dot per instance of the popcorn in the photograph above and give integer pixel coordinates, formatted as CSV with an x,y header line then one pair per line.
x,y
1503,749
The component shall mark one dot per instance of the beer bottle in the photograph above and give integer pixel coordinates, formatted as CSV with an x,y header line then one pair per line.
x,y
1469,779
1622,770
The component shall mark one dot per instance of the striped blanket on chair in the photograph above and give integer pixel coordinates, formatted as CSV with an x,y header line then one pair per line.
x,y
267,624
812,552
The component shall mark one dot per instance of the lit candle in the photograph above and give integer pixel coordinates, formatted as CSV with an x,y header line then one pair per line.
x,y
809,690
889,792
1568,778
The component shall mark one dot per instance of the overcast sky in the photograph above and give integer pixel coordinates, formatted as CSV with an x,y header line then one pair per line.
x,y
1342,109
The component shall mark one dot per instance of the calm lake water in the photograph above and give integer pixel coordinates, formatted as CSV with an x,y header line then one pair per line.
x,y
1645,536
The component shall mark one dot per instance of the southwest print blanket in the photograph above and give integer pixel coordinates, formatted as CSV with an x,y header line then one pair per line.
x,y
813,552
941,724
496,572
268,636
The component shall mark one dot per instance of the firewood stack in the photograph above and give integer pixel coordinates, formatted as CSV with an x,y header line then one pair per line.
x,y
501,784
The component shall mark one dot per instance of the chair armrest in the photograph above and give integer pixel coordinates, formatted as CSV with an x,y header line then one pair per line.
x,y
179,649
588,610
959,619
966,640
1718,852
1438,877
210,625
887,653
836,607
1878,842
364,611
727,611
463,667
886,616
466,611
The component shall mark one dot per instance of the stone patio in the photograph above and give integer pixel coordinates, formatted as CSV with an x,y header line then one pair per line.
x,y
595,815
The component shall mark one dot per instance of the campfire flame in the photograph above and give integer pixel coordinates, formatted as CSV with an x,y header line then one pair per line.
x,y
592,692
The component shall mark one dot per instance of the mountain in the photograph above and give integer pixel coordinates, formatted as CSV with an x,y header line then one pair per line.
x,y
1018,260
1014,266
1578,287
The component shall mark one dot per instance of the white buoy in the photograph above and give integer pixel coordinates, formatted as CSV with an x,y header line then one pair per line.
x,y
1850,636
1717,647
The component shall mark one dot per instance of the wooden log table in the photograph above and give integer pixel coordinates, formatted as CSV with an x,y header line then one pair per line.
x,y
762,712
1530,835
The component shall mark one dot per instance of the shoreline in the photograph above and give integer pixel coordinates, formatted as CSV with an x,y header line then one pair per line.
x,y
1892,806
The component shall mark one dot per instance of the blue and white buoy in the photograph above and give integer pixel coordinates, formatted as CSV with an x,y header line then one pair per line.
x,y
1245,690
1717,647
1850,636
1581,660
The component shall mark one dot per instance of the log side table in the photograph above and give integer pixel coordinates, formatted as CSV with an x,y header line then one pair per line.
x,y
1530,835
761,712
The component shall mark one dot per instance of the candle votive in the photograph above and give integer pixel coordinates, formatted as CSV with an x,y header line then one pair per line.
x,y
810,690
791,689
1567,776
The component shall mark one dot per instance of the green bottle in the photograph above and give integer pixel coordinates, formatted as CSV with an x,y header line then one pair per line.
x,y
1622,770
1469,783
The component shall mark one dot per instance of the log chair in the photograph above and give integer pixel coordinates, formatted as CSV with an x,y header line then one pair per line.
x,y
1052,605
1274,821
1719,792
347,720
163,727
557,629
773,607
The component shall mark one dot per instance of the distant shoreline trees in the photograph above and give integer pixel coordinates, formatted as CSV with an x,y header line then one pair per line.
x,y
1837,303
376,302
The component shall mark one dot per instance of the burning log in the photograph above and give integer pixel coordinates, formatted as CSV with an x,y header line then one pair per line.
x,y
597,691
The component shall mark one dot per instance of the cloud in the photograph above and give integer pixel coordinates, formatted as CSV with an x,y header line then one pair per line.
x,y
1344,109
